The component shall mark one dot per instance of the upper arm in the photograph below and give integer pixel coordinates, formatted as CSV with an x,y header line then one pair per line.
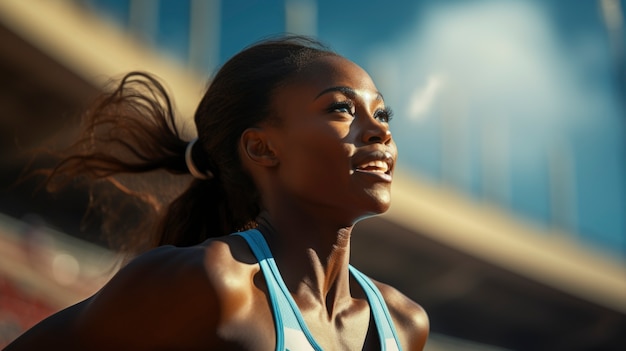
x,y
410,318
160,300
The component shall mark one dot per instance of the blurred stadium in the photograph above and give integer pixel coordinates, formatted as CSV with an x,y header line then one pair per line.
x,y
508,223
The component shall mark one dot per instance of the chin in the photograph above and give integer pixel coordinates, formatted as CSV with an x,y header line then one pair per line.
x,y
376,206
382,208
381,200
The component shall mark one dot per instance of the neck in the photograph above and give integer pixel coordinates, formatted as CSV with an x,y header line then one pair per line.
x,y
313,258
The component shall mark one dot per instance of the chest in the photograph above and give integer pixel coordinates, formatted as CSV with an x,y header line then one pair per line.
x,y
258,331
364,323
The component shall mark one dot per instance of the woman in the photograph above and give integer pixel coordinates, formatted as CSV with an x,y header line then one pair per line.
x,y
293,149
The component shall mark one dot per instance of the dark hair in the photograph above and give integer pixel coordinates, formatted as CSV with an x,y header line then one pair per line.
x,y
132,130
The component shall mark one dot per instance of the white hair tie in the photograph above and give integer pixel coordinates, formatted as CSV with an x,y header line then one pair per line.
x,y
192,166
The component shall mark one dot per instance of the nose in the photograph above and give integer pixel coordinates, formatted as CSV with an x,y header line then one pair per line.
x,y
376,132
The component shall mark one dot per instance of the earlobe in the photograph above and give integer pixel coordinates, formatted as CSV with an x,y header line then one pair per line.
x,y
257,147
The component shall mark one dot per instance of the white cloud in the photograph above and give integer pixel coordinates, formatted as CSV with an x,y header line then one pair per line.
x,y
423,98
502,61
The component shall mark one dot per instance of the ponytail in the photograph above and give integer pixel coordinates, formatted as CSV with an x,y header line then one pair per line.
x,y
132,131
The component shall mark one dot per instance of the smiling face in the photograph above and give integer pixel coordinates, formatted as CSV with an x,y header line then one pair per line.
x,y
332,142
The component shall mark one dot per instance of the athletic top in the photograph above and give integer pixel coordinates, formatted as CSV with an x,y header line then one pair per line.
x,y
292,333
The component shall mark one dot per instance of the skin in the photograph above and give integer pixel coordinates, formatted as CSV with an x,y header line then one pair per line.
x,y
325,165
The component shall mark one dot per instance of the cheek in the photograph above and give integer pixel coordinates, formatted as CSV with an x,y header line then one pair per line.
x,y
394,147
317,161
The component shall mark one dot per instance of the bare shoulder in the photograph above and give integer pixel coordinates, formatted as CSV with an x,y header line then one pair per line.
x,y
161,298
410,318
187,282
187,272
228,264
167,298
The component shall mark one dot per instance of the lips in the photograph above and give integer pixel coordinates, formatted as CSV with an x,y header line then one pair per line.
x,y
374,166
378,163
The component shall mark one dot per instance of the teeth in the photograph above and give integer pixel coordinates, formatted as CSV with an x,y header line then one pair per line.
x,y
375,166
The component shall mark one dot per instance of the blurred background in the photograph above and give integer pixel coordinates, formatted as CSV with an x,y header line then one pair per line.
x,y
508,223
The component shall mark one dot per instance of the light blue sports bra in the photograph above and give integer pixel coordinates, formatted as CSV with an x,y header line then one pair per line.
x,y
292,333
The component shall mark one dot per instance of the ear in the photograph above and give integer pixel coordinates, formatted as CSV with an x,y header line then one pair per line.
x,y
257,147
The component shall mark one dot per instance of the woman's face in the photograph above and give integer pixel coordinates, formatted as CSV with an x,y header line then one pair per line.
x,y
333,143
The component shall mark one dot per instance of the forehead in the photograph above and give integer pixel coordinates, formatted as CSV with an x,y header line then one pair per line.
x,y
332,71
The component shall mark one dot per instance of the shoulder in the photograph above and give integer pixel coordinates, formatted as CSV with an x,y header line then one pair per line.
x,y
167,297
410,319
197,274
199,267
162,299
161,272
148,302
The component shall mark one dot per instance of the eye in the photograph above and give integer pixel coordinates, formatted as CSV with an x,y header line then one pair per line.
x,y
384,115
342,107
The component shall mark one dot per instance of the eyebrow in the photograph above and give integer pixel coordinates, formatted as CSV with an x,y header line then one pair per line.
x,y
351,93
